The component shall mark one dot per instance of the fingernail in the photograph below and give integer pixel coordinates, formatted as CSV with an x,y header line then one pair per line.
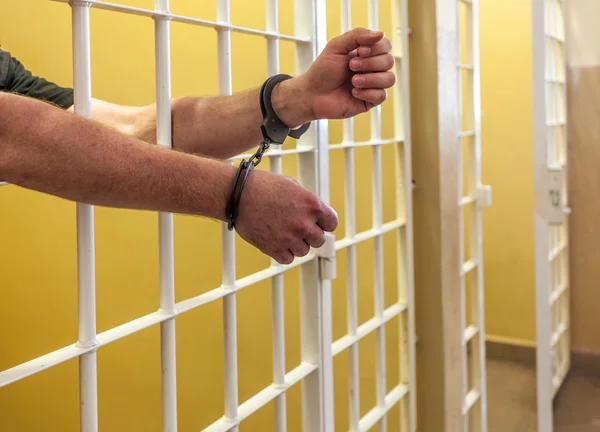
x,y
359,81
355,64
355,92
365,51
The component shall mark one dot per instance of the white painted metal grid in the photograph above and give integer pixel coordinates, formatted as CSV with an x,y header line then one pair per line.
x,y
405,391
317,349
472,197
556,139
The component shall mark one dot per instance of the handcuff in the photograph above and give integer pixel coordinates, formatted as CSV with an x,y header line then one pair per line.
x,y
274,131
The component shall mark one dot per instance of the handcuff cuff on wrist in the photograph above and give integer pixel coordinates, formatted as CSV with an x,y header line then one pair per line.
x,y
274,131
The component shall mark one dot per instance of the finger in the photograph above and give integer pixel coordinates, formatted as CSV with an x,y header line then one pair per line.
x,y
283,257
378,63
328,219
352,39
384,46
377,80
300,248
315,237
374,96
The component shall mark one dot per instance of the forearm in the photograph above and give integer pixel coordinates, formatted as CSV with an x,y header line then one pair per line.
x,y
223,126
77,159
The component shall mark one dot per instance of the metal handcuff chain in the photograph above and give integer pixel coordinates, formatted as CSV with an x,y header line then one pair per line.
x,y
274,131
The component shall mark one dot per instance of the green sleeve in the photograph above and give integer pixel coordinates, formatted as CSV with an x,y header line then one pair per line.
x,y
14,78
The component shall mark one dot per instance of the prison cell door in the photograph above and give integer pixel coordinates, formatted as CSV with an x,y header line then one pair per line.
x,y
473,196
314,372
551,210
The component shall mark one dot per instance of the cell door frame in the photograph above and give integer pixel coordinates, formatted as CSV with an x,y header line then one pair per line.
x,y
551,218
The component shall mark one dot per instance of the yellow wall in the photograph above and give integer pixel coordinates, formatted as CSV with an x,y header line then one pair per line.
x,y
507,162
37,232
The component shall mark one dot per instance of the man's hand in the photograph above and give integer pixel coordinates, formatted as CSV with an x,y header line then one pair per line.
x,y
348,78
281,218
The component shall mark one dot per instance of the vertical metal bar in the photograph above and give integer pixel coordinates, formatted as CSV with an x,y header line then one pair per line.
x,y
228,238
351,277
463,284
480,305
405,130
315,294
165,222
542,267
277,281
86,280
378,255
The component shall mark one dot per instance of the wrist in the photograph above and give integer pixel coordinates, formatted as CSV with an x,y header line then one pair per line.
x,y
291,103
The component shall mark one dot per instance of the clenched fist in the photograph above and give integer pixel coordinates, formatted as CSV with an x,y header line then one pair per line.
x,y
281,218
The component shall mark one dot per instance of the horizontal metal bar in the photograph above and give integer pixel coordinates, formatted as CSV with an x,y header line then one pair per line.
x,y
555,123
397,56
466,201
468,133
556,252
467,1
562,328
555,37
368,327
262,398
555,80
366,235
465,66
469,333
467,267
472,397
71,351
149,13
377,413
370,143
276,152
557,293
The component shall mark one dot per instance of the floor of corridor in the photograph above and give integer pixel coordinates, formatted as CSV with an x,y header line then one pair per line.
x,y
512,402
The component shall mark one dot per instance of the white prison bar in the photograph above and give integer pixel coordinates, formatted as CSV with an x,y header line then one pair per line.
x,y
464,201
467,267
557,293
562,328
187,20
364,329
555,123
349,143
378,413
369,234
472,397
277,301
557,38
263,397
228,238
556,252
469,333
168,362
88,383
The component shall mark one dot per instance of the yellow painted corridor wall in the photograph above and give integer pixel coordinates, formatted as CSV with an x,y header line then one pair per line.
x,y
38,255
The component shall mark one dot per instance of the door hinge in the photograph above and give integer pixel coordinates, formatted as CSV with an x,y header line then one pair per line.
x,y
326,254
484,196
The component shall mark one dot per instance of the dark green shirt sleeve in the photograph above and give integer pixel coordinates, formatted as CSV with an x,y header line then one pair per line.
x,y
15,78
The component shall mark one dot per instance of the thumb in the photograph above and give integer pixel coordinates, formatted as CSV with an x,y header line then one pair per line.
x,y
351,40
